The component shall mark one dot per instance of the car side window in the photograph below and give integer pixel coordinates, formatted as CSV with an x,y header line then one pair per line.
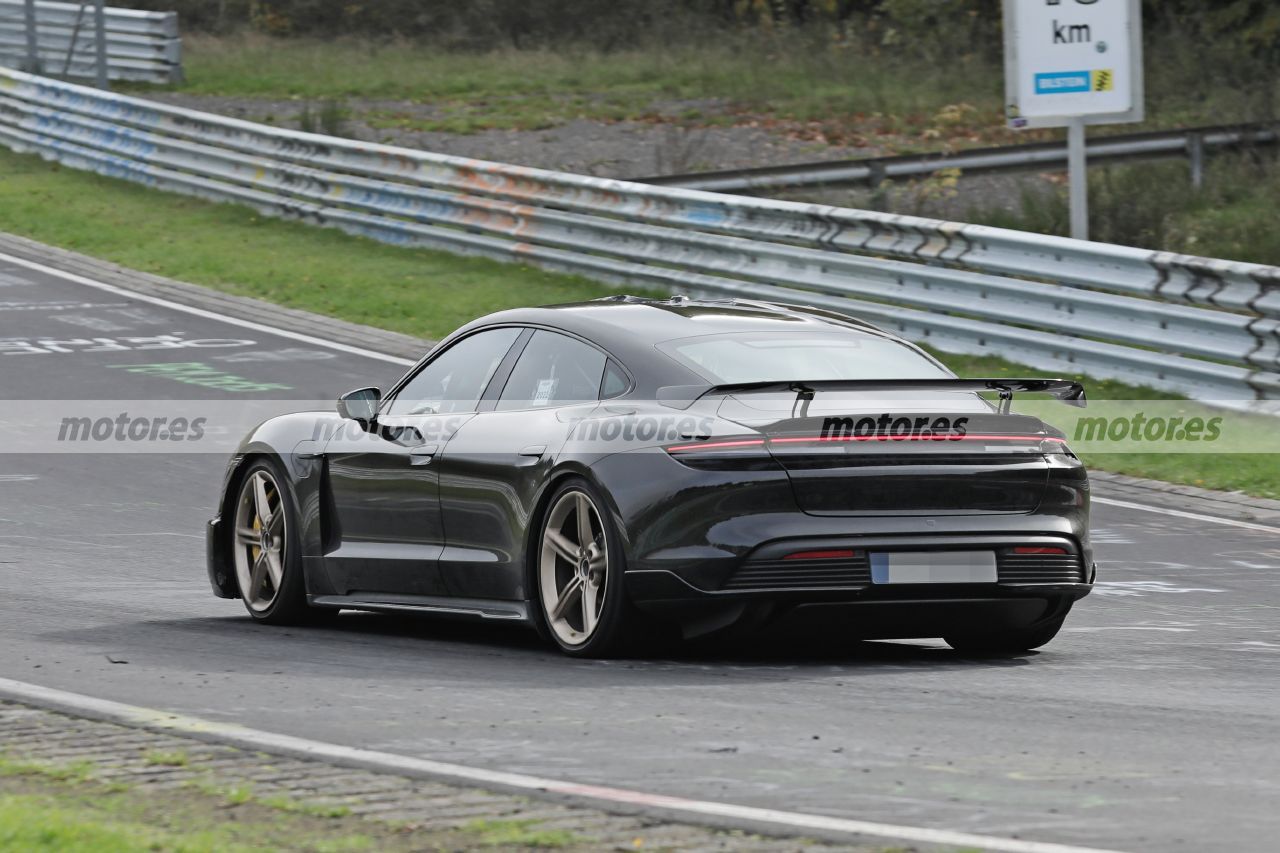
x,y
553,370
454,380
615,381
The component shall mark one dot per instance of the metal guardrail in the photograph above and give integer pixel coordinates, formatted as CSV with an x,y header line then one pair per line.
x,y
1204,327
139,46
1191,143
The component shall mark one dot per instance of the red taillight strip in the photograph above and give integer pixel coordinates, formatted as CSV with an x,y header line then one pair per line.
x,y
829,438
717,445
835,554
1029,550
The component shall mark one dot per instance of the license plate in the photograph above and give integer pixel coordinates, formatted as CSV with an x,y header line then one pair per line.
x,y
933,567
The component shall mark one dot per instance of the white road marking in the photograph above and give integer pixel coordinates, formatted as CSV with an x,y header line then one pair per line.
x,y
1195,516
148,718
1094,630
200,312
1139,587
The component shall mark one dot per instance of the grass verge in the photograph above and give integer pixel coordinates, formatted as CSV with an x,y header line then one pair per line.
x,y
44,808
804,77
62,808
846,88
413,291
1156,206
234,249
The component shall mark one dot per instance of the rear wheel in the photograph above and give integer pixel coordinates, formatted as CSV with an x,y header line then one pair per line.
x,y
1007,642
264,547
582,606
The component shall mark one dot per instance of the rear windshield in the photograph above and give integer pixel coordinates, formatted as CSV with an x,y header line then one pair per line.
x,y
784,356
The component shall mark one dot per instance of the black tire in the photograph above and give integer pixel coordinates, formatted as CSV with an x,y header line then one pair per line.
x,y
1008,642
289,605
615,631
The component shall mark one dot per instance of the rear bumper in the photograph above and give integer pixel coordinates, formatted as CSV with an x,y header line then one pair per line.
x,y
655,586
709,573
682,589
873,612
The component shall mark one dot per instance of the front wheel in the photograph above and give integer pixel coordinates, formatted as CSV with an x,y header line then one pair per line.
x,y
264,547
582,605
1007,642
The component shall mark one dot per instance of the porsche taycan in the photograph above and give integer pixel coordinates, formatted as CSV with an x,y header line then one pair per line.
x,y
617,470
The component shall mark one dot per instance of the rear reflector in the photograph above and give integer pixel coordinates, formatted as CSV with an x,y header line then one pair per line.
x,y
1039,550
837,554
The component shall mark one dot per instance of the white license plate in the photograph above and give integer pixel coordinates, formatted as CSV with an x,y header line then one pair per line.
x,y
933,567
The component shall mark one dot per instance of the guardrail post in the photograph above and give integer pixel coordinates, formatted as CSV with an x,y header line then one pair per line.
x,y
32,65
876,183
875,174
1195,152
100,32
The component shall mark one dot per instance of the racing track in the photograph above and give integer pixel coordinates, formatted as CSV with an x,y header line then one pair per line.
x,y
1152,723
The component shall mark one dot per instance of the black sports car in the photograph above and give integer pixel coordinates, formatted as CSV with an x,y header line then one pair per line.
x,y
623,468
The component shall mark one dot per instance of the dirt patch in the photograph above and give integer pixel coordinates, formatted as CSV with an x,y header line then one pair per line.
x,y
662,144
613,149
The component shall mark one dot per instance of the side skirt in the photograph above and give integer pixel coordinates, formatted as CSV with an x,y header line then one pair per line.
x,y
461,608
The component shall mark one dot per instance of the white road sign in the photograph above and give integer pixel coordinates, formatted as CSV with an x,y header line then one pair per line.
x,y
1072,59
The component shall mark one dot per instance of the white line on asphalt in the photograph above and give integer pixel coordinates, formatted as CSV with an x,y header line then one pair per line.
x,y
201,312
1195,516
148,718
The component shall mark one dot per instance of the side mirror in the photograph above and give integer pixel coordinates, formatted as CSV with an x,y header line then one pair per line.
x,y
360,405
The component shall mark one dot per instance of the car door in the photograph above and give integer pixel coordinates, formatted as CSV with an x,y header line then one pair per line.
x,y
494,464
386,532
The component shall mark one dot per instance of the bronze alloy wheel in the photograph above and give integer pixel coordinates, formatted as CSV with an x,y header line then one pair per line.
x,y
261,536
573,569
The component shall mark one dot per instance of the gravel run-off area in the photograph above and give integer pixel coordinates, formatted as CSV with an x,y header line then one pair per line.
x,y
633,149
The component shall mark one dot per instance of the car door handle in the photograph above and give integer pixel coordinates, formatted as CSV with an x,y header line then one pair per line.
x,y
534,450
423,454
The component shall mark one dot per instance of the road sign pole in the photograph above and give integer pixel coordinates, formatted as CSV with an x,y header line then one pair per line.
x,y
1078,179
1069,63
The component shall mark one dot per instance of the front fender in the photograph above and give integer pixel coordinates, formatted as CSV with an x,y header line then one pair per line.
x,y
295,442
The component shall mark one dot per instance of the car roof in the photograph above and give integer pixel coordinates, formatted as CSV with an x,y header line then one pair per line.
x,y
629,327
651,321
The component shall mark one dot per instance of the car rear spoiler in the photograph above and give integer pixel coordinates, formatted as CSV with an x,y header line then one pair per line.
x,y
1071,393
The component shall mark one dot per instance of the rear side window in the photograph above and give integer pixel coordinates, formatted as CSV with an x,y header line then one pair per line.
x,y
553,370
615,381
783,356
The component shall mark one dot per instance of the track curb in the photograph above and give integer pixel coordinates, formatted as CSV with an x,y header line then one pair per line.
x,y
799,827
117,751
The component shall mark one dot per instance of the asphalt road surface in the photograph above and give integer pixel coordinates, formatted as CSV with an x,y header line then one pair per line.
x,y
1151,723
